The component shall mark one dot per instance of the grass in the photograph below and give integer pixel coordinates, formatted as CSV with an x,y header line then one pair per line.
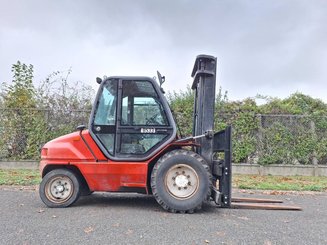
x,y
19,177
286,183
253,182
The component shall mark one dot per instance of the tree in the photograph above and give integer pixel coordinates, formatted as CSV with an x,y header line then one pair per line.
x,y
19,117
21,92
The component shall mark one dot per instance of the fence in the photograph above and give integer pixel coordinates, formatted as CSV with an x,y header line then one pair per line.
x,y
277,139
24,131
263,139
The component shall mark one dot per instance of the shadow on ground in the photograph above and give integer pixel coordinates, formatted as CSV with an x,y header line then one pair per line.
x,y
130,201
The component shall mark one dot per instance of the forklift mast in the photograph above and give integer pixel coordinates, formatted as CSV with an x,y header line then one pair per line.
x,y
204,86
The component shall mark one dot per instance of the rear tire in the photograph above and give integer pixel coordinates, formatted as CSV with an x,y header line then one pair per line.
x,y
181,181
59,188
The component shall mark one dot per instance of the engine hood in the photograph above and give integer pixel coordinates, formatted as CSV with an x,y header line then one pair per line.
x,y
69,147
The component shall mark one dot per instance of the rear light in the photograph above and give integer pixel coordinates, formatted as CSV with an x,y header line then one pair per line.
x,y
44,152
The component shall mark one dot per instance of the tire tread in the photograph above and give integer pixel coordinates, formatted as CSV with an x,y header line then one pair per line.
x,y
162,161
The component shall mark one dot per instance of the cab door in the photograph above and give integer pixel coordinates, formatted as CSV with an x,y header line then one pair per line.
x,y
144,124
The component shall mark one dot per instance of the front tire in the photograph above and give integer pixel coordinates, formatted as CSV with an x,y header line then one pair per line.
x,y
181,181
59,188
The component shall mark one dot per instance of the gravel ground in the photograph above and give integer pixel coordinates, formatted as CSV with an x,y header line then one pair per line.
x,y
105,218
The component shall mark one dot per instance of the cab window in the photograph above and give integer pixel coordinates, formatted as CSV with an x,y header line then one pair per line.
x,y
141,105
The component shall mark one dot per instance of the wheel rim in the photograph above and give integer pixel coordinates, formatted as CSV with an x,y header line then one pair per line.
x,y
181,181
59,189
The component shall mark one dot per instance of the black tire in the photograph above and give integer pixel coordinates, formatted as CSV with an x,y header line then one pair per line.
x,y
59,188
172,177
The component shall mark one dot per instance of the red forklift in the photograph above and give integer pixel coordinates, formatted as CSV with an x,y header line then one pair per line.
x,y
131,145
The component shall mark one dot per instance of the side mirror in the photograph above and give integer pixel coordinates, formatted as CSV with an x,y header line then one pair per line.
x,y
99,80
161,78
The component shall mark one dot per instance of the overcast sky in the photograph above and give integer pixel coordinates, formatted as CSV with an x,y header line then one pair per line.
x,y
268,47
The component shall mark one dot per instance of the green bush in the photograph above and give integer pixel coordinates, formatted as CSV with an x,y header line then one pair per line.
x,y
289,131
181,105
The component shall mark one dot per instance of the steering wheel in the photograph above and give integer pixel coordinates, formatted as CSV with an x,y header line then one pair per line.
x,y
152,120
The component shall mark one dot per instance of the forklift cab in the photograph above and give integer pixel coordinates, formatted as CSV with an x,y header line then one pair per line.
x,y
131,119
